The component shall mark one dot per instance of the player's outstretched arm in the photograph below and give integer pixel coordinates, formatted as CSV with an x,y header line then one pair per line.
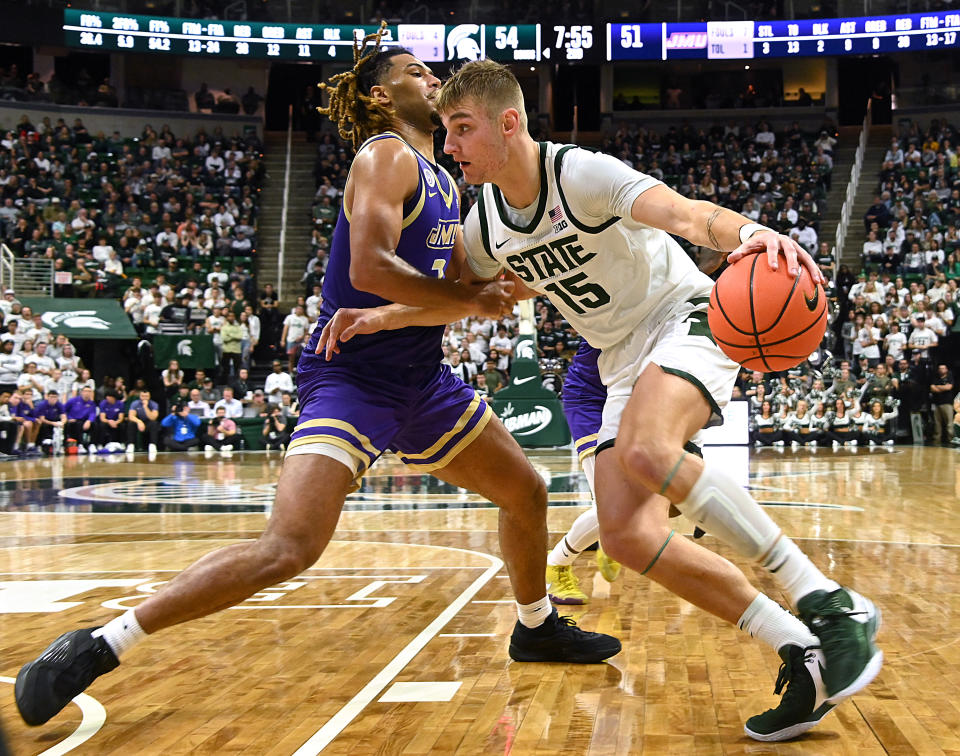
x,y
709,225
483,297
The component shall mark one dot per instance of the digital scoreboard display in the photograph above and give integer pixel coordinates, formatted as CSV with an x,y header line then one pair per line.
x,y
739,40
517,43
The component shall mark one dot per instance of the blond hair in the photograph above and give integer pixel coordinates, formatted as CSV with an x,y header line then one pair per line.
x,y
489,84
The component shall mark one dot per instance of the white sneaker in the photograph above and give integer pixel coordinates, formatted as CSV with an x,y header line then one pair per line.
x,y
836,444
152,452
888,442
92,449
152,448
131,449
852,443
207,447
81,449
872,443
794,444
812,444
226,447
778,443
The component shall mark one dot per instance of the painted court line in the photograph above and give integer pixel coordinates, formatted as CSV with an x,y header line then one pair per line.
x,y
94,715
339,721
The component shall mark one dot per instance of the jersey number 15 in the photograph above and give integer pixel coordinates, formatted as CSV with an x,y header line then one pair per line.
x,y
578,293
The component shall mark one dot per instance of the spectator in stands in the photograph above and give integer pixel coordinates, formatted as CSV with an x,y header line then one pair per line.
x,y
172,378
942,389
251,102
51,418
109,429
81,412
143,417
275,435
277,383
181,429
222,433
894,155
232,406
294,327
231,335
197,405
203,98
805,235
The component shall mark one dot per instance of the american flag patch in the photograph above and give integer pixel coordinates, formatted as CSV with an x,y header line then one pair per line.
x,y
556,214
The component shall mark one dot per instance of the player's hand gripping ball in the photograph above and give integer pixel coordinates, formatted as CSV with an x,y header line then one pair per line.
x,y
767,320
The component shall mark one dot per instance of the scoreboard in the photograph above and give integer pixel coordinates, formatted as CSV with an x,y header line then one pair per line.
x,y
516,43
93,30
726,40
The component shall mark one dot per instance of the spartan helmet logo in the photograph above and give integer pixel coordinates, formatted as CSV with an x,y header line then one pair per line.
x,y
76,319
460,43
185,348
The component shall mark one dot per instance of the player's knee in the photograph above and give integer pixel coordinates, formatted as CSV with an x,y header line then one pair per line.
x,y
283,559
649,460
531,495
636,547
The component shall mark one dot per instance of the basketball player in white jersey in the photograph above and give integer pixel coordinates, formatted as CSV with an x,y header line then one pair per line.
x,y
593,236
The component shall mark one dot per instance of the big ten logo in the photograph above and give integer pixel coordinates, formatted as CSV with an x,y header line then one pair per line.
x,y
49,596
443,234
144,590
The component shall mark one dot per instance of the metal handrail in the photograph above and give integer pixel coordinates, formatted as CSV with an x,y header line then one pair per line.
x,y
286,202
845,211
6,267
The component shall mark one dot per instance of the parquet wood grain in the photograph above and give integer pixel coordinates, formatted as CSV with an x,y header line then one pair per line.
x,y
265,677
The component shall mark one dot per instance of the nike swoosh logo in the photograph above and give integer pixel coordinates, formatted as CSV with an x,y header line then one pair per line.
x,y
520,381
500,244
431,194
812,303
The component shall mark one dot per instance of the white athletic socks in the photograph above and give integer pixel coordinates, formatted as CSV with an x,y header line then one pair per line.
x,y
535,614
766,620
794,571
121,633
723,508
584,531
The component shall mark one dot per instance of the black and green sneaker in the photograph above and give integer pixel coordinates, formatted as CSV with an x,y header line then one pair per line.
x,y
803,704
846,624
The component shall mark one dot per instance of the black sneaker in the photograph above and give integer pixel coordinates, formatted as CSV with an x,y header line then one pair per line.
x,y
559,639
64,670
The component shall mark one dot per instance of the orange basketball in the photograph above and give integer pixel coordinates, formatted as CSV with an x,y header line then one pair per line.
x,y
766,319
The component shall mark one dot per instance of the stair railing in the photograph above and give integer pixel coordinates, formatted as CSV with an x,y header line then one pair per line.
x,y
845,211
286,201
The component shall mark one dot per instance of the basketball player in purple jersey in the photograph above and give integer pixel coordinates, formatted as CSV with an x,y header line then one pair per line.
x,y
397,240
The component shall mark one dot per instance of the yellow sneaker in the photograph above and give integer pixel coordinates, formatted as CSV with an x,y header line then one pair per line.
x,y
563,586
609,568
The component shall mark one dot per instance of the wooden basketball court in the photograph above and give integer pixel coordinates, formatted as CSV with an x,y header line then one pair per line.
x,y
396,641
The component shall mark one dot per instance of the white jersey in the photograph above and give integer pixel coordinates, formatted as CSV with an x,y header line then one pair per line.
x,y
578,245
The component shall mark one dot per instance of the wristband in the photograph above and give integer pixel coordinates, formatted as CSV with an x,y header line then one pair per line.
x,y
750,229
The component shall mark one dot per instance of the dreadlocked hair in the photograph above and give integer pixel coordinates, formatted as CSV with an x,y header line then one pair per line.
x,y
350,107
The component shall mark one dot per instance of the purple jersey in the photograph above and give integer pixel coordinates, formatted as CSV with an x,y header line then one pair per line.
x,y
79,409
48,410
112,411
22,409
583,398
431,219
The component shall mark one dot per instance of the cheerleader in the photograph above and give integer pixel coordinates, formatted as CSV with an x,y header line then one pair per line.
x,y
798,428
843,430
765,427
877,427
